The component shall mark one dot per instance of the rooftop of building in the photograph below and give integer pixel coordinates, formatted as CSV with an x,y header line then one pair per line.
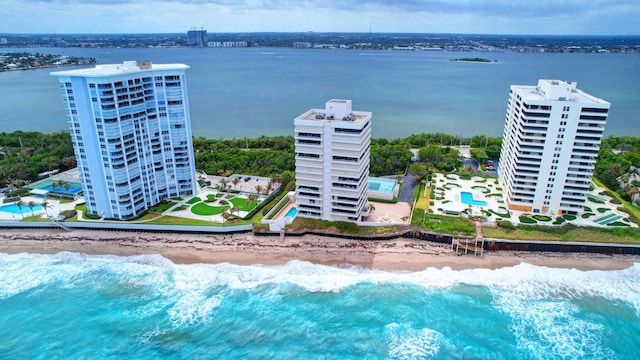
x,y
321,115
556,90
116,69
336,110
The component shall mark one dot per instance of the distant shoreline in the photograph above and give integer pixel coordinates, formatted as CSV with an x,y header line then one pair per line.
x,y
475,60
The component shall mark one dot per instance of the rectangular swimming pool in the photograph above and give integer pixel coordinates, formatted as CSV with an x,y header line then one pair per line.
x,y
381,185
73,189
15,209
467,198
292,212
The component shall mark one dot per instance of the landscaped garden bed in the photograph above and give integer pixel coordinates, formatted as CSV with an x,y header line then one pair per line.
x,y
542,217
527,220
203,209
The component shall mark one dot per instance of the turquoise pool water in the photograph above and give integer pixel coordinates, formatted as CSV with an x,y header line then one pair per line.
x,y
292,212
381,185
73,189
15,209
467,198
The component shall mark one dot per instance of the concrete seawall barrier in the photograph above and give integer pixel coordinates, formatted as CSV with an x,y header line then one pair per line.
x,y
490,244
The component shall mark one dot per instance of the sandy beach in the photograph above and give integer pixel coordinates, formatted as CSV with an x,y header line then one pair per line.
x,y
246,248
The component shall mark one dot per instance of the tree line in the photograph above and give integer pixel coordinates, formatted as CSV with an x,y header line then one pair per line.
x,y
618,166
23,155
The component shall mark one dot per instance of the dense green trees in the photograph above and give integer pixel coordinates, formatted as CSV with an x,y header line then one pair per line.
x,y
25,154
490,145
388,159
615,160
442,158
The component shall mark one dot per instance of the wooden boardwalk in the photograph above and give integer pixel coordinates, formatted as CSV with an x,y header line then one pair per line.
x,y
475,244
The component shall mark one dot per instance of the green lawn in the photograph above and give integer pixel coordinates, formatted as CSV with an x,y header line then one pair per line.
x,y
204,209
174,220
568,232
447,224
242,204
161,207
194,200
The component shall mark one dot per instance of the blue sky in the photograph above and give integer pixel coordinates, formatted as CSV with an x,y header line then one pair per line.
x,y
573,17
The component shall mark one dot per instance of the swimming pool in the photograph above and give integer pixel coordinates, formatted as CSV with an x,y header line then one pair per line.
x,y
292,212
381,185
15,209
73,189
467,198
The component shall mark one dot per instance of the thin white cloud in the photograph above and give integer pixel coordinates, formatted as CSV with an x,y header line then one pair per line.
x,y
477,16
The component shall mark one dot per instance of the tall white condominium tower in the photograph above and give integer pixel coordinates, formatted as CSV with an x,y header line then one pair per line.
x,y
332,162
131,133
549,148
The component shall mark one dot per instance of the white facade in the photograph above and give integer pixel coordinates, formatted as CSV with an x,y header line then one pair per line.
x,y
550,143
332,162
131,134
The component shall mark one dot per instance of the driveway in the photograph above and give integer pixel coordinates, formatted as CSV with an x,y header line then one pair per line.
x,y
407,190
470,162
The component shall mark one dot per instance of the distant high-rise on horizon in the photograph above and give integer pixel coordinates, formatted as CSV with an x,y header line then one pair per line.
x,y
197,38
332,162
131,134
550,143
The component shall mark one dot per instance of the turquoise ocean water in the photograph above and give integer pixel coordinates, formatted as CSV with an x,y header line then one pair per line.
x,y
73,306
259,91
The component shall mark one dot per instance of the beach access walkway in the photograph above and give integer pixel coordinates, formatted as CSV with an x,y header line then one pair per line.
x,y
474,244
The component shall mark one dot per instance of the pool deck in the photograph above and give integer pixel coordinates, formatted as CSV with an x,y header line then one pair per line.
x,y
397,213
54,209
284,210
447,199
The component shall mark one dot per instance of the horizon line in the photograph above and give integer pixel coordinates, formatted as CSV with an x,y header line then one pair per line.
x,y
326,32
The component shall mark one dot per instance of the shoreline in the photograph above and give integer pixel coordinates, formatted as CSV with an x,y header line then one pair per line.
x,y
248,249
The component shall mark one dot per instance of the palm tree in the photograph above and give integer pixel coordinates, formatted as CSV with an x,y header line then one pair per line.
x,y
259,189
235,182
31,205
46,205
251,198
270,185
20,204
223,182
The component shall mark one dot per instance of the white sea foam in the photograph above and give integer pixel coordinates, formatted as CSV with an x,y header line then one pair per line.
x,y
551,328
156,271
189,294
413,343
192,309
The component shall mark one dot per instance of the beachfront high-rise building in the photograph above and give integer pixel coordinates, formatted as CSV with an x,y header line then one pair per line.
x,y
131,134
197,38
332,162
551,140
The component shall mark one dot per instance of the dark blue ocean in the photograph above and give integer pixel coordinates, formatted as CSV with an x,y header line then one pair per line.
x,y
73,306
259,91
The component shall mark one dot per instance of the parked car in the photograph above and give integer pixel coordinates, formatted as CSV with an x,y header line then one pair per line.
x,y
247,178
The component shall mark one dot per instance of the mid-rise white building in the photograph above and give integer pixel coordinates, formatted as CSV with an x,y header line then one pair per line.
x,y
332,162
131,133
550,143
